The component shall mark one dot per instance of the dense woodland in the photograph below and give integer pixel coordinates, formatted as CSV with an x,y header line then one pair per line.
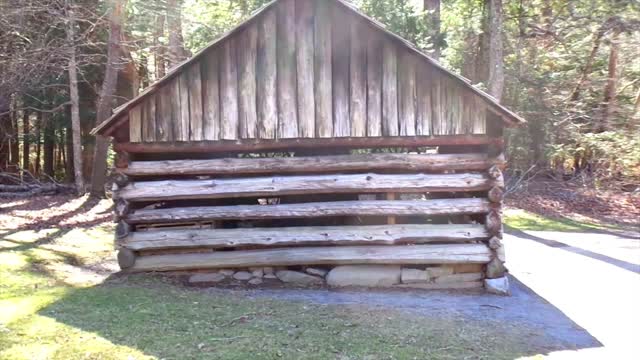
x,y
570,68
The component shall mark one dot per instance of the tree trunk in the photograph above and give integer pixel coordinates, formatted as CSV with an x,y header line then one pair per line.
x,y
176,42
65,151
48,148
98,176
611,88
588,67
495,82
75,101
14,146
432,8
26,143
158,47
38,129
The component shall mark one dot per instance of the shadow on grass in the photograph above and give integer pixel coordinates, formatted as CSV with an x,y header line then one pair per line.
x,y
57,220
168,321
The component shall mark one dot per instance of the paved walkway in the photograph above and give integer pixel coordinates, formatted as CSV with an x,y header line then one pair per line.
x,y
592,278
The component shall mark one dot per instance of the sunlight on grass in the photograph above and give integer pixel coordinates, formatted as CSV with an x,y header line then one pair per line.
x,y
524,220
56,302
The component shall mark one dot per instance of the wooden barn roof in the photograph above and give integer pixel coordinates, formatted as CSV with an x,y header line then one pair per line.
x,y
510,118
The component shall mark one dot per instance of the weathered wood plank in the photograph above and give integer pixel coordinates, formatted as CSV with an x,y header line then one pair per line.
x,y
438,120
267,78
286,73
184,108
149,119
417,254
164,129
211,96
358,83
340,43
247,85
305,68
291,185
423,100
407,94
374,85
312,210
313,235
253,145
337,163
228,92
389,90
135,124
195,103
323,72
480,116
178,129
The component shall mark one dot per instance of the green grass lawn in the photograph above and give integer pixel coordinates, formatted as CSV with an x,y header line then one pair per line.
x,y
525,220
54,305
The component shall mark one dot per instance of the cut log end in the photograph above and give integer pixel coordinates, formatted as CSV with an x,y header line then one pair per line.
x,y
122,230
126,258
495,172
121,180
496,194
121,209
122,160
494,223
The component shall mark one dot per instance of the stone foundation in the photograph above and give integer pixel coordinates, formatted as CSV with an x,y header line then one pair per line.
x,y
464,276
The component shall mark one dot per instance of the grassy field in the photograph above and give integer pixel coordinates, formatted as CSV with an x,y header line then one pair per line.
x,y
525,220
58,300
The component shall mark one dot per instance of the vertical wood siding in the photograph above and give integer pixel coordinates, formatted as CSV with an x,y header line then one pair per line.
x,y
303,69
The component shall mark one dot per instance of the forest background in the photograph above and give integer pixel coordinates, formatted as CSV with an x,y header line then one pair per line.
x,y
571,68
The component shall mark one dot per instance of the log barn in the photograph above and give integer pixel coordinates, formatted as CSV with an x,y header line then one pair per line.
x,y
310,144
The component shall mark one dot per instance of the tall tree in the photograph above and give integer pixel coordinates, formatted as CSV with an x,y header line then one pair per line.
x,y
495,82
107,93
75,99
158,46
176,42
432,9
611,87
26,143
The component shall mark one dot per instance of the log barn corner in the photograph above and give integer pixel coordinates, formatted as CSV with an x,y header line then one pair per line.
x,y
309,140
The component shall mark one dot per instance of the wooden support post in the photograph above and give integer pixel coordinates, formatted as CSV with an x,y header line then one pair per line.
x,y
391,220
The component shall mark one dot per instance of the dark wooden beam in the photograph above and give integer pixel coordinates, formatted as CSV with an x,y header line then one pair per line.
x,y
256,145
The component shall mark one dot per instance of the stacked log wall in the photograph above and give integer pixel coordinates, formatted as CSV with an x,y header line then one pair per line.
x,y
241,210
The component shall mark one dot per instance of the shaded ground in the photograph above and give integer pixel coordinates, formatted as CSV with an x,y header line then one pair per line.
x,y
569,200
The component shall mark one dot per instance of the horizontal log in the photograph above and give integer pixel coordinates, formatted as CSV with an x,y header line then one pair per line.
x,y
312,235
294,185
341,255
315,164
256,145
310,210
